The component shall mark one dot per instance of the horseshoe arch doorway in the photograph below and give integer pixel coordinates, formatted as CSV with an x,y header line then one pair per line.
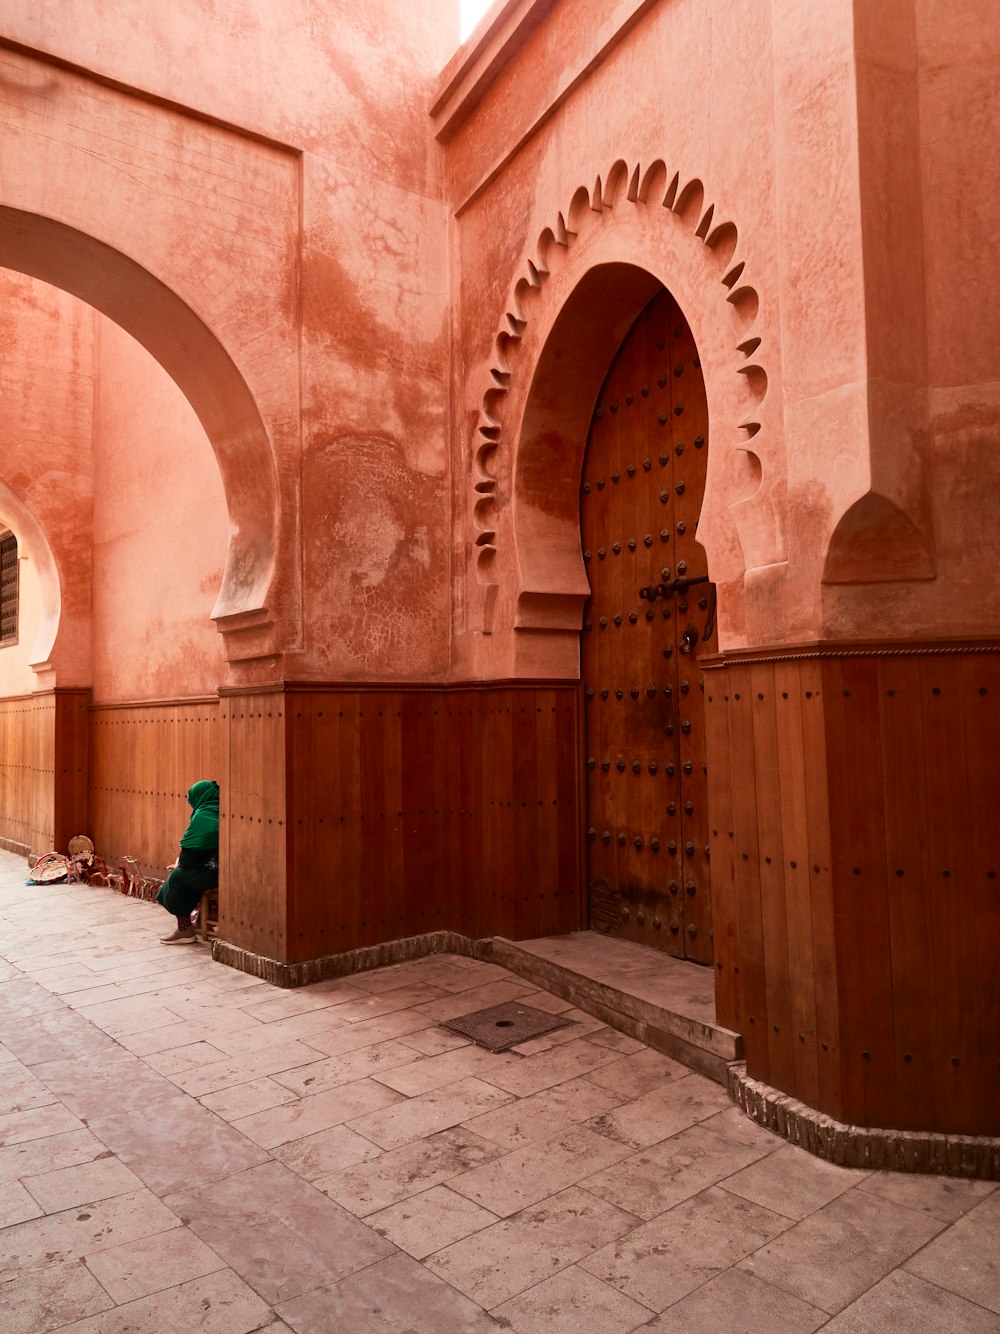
x,y
650,614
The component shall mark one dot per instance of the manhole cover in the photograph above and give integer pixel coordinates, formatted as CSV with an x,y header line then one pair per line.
x,y
503,1026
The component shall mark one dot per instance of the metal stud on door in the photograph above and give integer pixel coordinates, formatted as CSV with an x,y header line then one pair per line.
x,y
651,612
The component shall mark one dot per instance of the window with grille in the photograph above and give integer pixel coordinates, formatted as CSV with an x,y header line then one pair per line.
x,y
8,589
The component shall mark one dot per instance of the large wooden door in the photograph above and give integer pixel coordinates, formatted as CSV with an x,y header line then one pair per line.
x,y
643,482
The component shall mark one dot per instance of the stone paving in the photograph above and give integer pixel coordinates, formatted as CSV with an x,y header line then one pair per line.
x,y
187,1150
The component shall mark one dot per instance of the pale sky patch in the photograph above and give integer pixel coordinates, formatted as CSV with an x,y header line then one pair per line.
x,y
472,12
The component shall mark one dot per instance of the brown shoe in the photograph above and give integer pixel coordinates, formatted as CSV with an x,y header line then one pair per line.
x,y
184,935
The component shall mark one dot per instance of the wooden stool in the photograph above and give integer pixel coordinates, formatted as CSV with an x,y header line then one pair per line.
x,y
208,915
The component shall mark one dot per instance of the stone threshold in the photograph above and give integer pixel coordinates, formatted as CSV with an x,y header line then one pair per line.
x,y
663,1002
863,1146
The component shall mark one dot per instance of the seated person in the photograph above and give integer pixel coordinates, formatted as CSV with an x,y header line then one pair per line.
x,y
197,866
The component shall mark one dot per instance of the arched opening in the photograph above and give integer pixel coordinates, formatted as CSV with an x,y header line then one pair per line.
x,y
196,361
650,612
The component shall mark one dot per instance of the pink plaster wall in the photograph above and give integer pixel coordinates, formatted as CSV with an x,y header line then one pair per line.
x,y
322,270
160,532
46,408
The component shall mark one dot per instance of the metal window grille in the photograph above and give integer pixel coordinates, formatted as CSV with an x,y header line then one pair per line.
x,y
8,589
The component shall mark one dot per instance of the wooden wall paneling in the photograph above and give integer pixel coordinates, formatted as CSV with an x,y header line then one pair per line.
x,y
394,863
350,895
525,883
908,888
753,979
252,881
863,947
547,812
791,762
25,776
570,910
71,744
417,764
470,890
725,914
448,824
499,775
821,886
979,688
372,832
949,875
771,867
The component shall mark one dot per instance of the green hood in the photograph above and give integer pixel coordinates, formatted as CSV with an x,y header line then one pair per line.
x,y
202,833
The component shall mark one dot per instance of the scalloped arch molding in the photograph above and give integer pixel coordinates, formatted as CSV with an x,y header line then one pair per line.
x,y
622,185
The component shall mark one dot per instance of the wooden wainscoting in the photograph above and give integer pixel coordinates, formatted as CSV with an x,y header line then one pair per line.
x,y
43,769
855,854
143,759
413,809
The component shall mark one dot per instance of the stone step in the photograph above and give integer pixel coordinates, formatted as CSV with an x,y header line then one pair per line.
x,y
667,1003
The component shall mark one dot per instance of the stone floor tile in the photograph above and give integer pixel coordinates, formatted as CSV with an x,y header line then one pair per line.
x,y
639,1072
176,1059
434,1041
36,1123
83,1231
40,1300
330,1073
130,1014
662,1261
421,1076
20,1090
175,1034
476,998
304,1026
531,1074
328,1152
308,1116
145,1120
352,1036
525,1176
573,1302
615,1041
239,1100
240,1070
152,1264
793,1183
734,1125
947,1198
544,1114
386,1002
84,1183
480,975
407,1171
429,1221
653,1180
17,1205
503,1260
966,1258
737,1301
216,1304
92,994
835,1254
286,1004
903,1301
417,1118
671,1106
394,1296
277,1232
31,1157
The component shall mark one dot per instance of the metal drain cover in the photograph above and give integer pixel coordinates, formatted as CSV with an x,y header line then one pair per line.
x,y
503,1026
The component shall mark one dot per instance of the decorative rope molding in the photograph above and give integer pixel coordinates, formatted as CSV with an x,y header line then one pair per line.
x,y
863,1146
650,186
750,658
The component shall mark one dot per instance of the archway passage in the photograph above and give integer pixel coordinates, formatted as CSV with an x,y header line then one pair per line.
x,y
650,613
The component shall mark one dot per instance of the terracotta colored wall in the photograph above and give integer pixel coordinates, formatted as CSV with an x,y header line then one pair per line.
x,y
160,532
318,263
46,407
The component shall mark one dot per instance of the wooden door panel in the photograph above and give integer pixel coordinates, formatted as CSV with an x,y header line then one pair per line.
x,y
643,483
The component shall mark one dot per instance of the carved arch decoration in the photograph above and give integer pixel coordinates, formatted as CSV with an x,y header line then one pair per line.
x,y
755,492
